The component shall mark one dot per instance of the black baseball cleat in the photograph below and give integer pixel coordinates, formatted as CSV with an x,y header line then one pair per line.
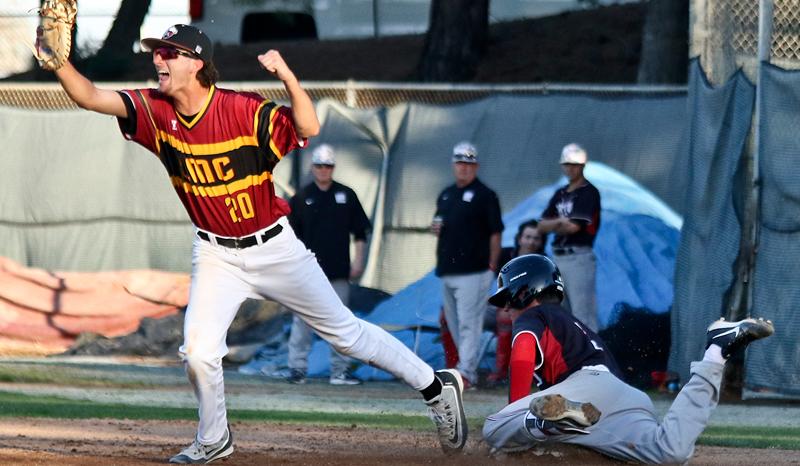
x,y
735,336
447,411
565,413
296,376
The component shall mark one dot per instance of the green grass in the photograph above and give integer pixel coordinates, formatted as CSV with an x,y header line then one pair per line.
x,y
786,438
59,376
19,405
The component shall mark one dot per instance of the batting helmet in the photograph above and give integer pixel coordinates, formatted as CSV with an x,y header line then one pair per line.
x,y
526,278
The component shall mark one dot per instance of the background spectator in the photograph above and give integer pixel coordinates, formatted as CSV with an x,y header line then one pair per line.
x,y
324,215
468,224
573,214
528,240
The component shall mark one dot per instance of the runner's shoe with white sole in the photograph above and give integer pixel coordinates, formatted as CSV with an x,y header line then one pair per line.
x,y
345,378
197,453
735,336
564,413
447,411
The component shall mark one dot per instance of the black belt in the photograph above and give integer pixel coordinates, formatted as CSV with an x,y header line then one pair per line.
x,y
244,242
563,251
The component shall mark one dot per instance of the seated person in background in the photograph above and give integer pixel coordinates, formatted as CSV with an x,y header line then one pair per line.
x,y
529,240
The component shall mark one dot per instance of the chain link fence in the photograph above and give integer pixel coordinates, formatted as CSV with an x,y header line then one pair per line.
x,y
725,34
786,34
50,96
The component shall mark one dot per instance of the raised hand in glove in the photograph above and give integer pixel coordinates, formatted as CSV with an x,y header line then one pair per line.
x,y
54,34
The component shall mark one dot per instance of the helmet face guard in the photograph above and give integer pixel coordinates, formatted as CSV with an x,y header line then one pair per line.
x,y
524,279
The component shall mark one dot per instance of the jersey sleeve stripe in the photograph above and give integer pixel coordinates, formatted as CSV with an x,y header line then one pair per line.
x,y
272,141
206,149
221,190
257,117
152,121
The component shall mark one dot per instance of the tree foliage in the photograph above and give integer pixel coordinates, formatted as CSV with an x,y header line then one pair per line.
x,y
665,43
115,55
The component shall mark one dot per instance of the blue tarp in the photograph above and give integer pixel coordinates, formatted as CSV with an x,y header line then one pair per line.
x,y
635,247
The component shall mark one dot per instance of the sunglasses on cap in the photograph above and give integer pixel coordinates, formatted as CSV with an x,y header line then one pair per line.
x,y
467,158
171,53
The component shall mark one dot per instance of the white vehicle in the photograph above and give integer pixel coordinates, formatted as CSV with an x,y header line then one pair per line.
x,y
18,21
240,21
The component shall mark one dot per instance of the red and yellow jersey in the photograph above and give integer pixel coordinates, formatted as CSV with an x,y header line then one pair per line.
x,y
221,161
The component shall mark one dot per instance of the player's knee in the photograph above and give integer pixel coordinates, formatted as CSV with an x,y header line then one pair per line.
x,y
489,429
346,345
679,455
348,338
361,341
683,457
197,356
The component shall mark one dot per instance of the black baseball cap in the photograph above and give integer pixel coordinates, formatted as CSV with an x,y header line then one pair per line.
x,y
184,37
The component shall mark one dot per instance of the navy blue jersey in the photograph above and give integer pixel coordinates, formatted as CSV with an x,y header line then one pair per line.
x,y
563,344
582,207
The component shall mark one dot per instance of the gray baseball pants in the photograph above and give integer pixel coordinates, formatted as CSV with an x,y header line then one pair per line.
x,y
628,429
302,336
464,297
578,271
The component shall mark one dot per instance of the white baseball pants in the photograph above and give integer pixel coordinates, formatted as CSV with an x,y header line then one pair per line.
x,y
301,337
283,270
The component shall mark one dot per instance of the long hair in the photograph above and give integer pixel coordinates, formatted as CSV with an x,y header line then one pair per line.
x,y
208,74
522,226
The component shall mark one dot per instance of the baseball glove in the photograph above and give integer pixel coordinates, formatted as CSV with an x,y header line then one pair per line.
x,y
54,34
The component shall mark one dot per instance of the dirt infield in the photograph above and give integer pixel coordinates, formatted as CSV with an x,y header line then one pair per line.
x,y
115,442
159,383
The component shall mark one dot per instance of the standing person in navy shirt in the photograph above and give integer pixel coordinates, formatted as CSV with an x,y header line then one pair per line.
x,y
582,399
324,215
573,214
468,224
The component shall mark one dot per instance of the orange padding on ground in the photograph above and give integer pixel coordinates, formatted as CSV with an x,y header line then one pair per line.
x,y
42,312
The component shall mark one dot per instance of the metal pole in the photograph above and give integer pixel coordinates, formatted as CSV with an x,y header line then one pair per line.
x,y
765,9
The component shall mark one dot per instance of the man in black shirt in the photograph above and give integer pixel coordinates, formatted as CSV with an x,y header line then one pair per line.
x,y
324,215
468,224
573,214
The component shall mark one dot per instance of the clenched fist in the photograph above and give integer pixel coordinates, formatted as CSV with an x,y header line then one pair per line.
x,y
273,62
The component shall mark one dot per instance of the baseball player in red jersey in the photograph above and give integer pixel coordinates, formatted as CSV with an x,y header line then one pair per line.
x,y
219,148
582,400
